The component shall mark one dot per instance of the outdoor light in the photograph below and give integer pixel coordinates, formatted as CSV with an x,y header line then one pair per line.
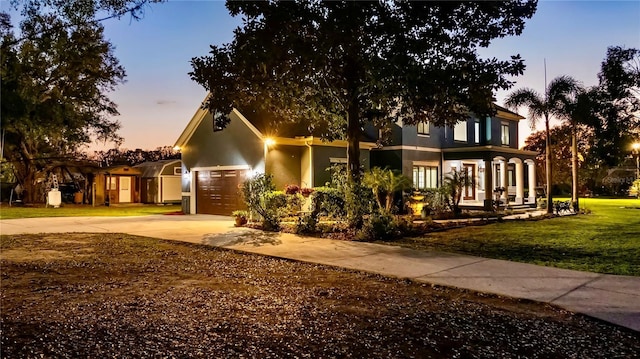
x,y
269,142
176,148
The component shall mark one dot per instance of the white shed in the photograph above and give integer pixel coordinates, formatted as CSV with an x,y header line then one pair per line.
x,y
161,181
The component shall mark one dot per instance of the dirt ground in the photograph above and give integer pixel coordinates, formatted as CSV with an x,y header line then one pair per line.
x,y
106,295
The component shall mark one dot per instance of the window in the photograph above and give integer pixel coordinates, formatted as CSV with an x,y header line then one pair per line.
x,y
425,177
505,133
460,132
423,128
177,170
112,183
476,131
219,121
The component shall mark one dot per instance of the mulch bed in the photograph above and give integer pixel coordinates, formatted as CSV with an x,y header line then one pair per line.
x,y
110,295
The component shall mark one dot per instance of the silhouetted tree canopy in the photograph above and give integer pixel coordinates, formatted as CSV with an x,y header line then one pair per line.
x,y
338,65
57,71
616,123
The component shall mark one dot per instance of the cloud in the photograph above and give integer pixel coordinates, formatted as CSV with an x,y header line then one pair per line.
x,y
165,102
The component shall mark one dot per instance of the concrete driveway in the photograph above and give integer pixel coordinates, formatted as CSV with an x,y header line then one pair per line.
x,y
615,299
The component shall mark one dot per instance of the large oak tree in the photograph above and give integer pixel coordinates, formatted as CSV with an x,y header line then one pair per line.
x,y
57,71
337,65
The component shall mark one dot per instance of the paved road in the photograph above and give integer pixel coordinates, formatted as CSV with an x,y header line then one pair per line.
x,y
615,299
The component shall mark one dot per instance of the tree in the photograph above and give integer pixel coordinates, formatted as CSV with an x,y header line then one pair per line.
x,y
117,156
561,155
453,187
56,75
385,183
616,123
545,106
578,110
338,65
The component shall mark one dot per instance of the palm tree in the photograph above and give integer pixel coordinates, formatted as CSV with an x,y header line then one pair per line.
x,y
551,104
578,110
386,182
453,187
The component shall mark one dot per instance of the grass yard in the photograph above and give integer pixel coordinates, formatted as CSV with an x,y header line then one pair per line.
x,y
79,295
73,210
605,241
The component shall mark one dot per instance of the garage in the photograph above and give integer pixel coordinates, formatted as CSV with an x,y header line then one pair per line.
x,y
219,192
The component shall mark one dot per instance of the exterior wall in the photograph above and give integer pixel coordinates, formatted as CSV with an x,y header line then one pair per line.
x,y
410,157
322,161
171,188
284,163
168,168
235,145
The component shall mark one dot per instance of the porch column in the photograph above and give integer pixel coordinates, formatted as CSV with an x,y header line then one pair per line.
x,y
531,166
488,185
504,182
519,182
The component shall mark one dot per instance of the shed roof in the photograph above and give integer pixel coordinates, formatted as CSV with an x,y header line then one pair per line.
x,y
155,168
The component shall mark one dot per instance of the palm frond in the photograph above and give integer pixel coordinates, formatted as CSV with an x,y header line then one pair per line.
x,y
528,98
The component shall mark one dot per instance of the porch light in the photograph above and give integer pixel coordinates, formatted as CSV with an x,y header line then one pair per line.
x,y
269,142
176,148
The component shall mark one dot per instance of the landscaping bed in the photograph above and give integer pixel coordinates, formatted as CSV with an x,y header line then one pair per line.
x,y
111,295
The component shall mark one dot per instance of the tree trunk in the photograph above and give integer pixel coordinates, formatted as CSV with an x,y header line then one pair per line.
x,y
547,157
574,170
353,143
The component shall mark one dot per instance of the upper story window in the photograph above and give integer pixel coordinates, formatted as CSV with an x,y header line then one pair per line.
x,y
476,131
460,132
423,128
504,130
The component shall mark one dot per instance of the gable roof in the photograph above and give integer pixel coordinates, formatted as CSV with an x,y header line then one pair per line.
x,y
262,123
506,113
155,168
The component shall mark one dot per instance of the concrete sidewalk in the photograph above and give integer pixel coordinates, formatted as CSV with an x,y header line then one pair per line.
x,y
615,299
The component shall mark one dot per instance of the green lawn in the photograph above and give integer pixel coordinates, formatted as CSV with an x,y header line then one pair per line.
x,y
70,210
605,241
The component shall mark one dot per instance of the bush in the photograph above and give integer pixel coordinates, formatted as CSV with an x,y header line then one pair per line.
x,y
307,224
329,201
384,226
291,189
257,193
435,202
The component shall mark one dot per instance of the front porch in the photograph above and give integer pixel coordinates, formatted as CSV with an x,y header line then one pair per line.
x,y
505,177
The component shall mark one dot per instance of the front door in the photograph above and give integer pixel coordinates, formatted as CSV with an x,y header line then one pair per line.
x,y
470,191
125,189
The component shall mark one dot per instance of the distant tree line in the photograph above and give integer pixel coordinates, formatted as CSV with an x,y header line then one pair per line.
x,y
599,125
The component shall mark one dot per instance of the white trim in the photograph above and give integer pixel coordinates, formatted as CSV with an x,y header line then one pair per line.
x,y
221,168
412,148
191,127
426,163
490,148
192,193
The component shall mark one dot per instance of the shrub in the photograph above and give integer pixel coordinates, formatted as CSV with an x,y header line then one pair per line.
x,y
291,189
384,226
306,192
293,204
257,193
307,224
329,201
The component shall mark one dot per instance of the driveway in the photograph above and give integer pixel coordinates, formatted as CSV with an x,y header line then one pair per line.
x,y
615,299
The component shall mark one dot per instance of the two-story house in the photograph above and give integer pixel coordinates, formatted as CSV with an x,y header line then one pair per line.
x,y
486,148
215,162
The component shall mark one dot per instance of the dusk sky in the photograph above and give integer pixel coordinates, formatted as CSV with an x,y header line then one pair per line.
x,y
159,98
